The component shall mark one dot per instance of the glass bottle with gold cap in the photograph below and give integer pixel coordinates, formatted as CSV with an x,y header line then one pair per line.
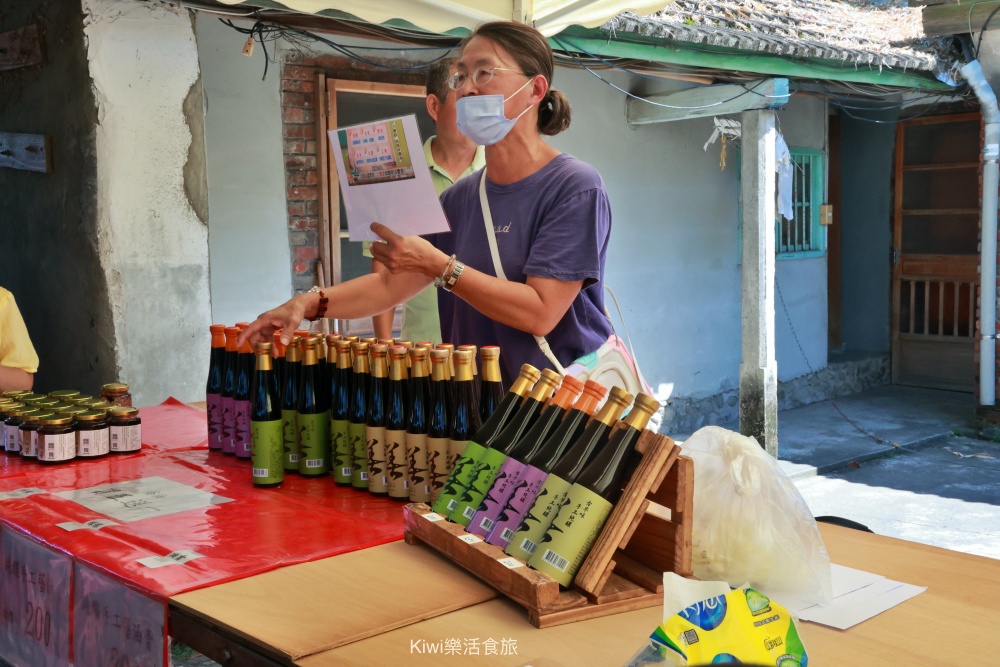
x,y
555,487
591,499
340,414
438,423
358,416
378,394
213,386
490,382
416,427
475,369
465,466
395,427
266,430
312,416
242,400
464,418
228,388
289,406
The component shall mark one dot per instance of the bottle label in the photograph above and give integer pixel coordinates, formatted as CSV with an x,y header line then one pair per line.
x,y
574,530
268,451
483,475
213,403
378,480
342,455
455,449
512,514
358,442
242,434
397,469
13,439
437,464
93,443
228,425
57,447
289,439
126,438
416,461
314,439
496,498
538,518
458,478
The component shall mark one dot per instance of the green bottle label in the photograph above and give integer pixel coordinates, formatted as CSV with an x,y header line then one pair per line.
x,y
267,451
569,538
550,498
378,479
395,462
358,442
342,454
458,478
290,440
483,475
314,439
437,464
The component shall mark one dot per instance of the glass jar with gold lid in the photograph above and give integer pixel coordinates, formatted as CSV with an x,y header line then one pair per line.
x,y
126,430
29,431
56,439
64,394
93,435
117,393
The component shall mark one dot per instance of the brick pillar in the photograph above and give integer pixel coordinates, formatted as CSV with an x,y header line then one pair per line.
x,y
298,101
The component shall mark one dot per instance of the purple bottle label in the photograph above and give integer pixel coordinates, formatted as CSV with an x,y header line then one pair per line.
x,y
242,435
521,499
215,427
228,425
489,510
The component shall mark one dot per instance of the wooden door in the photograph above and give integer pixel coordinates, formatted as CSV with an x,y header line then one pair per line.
x,y
935,252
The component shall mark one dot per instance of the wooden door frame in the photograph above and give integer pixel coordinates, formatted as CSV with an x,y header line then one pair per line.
x,y
330,234
897,228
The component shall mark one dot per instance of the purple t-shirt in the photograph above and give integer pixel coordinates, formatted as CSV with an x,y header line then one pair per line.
x,y
555,223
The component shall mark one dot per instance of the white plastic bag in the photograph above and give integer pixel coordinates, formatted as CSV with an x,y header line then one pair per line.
x,y
750,522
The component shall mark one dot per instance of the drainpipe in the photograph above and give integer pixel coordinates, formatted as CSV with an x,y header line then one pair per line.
x,y
973,74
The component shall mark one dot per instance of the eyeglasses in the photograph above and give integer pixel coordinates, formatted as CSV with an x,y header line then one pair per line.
x,y
480,77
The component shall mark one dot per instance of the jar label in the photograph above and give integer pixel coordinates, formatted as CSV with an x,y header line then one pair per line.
x,y
13,439
29,445
126,438
267,452
57,447
93,443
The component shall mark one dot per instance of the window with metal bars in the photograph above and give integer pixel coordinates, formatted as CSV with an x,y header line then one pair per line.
x,y
803,235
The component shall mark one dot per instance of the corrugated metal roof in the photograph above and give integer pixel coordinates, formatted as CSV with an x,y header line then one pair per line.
x,y
883,33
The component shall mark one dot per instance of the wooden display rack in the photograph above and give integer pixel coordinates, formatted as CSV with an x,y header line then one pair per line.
x,y
648,533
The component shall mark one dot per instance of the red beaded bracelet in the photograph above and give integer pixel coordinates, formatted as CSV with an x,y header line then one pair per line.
x,y
323,303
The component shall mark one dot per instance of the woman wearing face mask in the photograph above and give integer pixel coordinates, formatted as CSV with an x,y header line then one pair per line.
x,y
551,221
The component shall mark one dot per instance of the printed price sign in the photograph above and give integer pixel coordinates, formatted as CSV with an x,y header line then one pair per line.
x,y
113,624
34,602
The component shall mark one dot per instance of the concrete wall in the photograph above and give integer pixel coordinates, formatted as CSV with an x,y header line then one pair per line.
x,y
248,234
48,227
866,233
151,229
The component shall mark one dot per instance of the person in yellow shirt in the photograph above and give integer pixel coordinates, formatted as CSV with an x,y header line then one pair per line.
x,y
18,360
450,156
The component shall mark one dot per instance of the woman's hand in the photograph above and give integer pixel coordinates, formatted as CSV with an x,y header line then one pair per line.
x,y
286,317
407,254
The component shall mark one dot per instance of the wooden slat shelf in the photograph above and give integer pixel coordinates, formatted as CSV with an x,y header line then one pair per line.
x,y
623,570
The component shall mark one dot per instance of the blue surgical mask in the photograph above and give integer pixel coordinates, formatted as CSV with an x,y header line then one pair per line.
x,y
481,117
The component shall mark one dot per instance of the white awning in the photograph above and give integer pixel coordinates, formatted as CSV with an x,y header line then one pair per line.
x,y
548,16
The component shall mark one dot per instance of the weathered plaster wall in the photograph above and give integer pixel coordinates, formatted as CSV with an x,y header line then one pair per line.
x,y
152,242
248,233
48,224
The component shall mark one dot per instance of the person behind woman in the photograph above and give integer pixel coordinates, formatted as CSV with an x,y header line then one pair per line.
x,y
551,219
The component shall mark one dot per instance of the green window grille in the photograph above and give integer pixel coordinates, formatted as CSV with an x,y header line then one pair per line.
x,y
803,235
